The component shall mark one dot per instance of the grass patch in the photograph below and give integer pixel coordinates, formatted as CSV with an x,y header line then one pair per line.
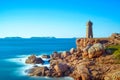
x,y
116,54
115,50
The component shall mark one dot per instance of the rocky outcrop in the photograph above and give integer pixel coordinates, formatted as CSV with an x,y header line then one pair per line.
x,y
92,51
37,71
62,69
99,68
65,54
72,50
84,42
90,48
88,62
113,75
115,36
82,71
34,60
55,55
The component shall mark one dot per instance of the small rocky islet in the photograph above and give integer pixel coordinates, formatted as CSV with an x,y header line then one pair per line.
x,y
91,60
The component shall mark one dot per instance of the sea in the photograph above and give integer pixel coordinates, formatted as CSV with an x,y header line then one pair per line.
x,y
14,52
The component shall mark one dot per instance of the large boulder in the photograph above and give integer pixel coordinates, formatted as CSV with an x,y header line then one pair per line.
x,y
31,59
54,62
55,55
92,51
34,60
37,71
61,67
39,61
81,72
72,50
96,50
65,54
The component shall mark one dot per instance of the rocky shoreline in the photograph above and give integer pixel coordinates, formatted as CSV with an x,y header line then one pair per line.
x,y
89,61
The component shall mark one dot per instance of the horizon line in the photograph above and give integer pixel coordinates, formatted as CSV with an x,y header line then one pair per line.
x,y
44,37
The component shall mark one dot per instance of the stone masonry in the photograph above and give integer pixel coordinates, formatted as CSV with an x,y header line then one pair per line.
x,y
89,32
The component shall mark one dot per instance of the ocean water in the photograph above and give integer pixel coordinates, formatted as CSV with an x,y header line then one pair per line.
x,y
13,53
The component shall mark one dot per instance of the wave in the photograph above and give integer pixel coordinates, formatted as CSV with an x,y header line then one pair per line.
x,y
20,71
20,60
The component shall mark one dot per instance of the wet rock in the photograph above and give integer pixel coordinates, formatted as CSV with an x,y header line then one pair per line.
x,y
31,59
35,65
37,71
34,60
28,71
39,61
45,56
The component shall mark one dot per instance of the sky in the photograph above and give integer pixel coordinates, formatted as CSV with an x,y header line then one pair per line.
x,y
58,18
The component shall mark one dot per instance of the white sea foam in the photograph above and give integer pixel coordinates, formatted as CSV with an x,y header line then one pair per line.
x,y
20,59
17,60
45,59
21,70
22,56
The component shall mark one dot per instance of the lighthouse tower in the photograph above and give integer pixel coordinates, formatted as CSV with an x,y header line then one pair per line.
x,y
89,32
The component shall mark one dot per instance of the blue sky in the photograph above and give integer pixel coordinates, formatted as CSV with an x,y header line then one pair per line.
x,y
59,18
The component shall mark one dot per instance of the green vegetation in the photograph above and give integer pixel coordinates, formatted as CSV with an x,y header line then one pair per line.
x,y
115,50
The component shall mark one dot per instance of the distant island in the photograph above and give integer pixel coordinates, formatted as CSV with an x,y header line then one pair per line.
x,y
17,38
29,38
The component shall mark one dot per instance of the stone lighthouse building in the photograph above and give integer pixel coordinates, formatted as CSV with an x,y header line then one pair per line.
x,y
89,32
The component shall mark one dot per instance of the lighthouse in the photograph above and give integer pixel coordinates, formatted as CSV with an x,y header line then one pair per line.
x,y
89,31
